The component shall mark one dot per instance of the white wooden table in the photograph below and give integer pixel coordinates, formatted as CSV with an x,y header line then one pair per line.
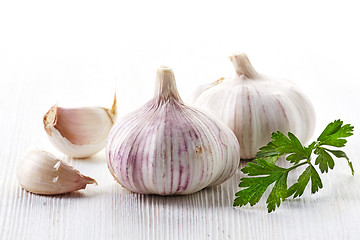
x,y
76,54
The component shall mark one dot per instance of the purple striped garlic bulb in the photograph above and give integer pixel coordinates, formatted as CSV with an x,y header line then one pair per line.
x,y
254,106
168,148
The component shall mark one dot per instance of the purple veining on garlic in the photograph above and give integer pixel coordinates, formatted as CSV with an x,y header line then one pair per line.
x,y
168,148
253,106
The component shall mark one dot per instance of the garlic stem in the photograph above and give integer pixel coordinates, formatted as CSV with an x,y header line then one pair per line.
x,y
243,66
165,85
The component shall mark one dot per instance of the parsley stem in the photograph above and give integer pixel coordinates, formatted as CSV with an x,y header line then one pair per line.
x,y
297,165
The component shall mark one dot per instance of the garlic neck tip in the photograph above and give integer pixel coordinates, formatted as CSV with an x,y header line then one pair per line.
x,y
237,54
89,180
243,66
50,119
164,68
113,109
165,84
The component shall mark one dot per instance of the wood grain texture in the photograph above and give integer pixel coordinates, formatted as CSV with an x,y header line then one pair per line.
x,y
108,211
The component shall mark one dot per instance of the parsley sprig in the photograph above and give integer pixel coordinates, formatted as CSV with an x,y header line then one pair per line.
x,y
262,172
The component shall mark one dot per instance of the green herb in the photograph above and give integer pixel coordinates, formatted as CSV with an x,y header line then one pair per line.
x,y
263,172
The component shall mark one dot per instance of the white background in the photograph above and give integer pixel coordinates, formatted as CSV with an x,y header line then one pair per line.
x,y
313,43
76,53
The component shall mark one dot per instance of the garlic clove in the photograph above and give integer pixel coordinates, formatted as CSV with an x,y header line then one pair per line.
x,y
41,173
254,105
167,148
79,132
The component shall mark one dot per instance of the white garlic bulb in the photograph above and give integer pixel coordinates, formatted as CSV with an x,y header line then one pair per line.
x,y
79,132
254,106
41,173
167,148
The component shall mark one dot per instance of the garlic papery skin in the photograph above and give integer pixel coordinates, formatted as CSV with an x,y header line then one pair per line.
x,y
79,132
200,89
168,148
254,106
41,173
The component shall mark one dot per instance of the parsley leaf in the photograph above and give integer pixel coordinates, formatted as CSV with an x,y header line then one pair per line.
x,y
324,160
262,173
282,145
278,192
298,188
254,188
334,134
341,154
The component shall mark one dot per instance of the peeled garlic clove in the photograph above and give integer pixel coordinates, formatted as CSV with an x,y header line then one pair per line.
x,y
41,173
166,147
254,106
79,132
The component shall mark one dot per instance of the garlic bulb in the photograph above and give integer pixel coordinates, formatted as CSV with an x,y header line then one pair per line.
x,y
167,148
254,106
41,173
79,132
